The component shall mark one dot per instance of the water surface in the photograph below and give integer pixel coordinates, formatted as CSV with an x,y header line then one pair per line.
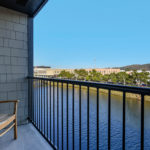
x,y
132,119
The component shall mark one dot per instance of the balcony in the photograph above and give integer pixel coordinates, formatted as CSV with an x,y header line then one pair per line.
x,y
77,115
63,114
66,114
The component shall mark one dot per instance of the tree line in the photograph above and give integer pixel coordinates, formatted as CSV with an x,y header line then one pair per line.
x,y
135,78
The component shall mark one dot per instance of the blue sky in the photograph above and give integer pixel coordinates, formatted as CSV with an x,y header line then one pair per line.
x,y
92,33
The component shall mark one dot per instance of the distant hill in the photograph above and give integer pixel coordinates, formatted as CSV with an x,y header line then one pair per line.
x,y
136,67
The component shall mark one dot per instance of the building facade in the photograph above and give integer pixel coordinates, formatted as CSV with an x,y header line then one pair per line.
x,y
52,72
105,71
14,60
16,53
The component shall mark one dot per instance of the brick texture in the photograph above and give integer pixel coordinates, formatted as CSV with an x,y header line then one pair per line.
x,y
14,62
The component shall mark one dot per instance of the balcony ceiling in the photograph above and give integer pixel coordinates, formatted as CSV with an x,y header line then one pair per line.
x,y
30,7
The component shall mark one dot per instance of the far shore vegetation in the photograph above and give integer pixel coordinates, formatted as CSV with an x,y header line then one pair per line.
x,y
135,78
121,78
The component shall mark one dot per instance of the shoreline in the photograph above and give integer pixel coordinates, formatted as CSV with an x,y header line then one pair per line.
x,y
118,93
115,93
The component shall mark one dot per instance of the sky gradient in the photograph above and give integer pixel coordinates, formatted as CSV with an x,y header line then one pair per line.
x,y
88,34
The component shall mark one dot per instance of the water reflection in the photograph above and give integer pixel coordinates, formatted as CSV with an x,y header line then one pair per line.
x,y
132,120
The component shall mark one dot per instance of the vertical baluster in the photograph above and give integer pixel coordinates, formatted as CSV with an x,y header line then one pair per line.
x,y
32,100
80,117
34,90
41,107
109,118
47,105
88,119
36,103
97,107
57,115
50,114
54,113
124,119
67,117
44,106
39,104
142,121
33,103
62,114
73,116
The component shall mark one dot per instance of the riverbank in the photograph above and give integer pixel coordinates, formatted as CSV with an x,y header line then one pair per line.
x,y
104,91
128,95
118,93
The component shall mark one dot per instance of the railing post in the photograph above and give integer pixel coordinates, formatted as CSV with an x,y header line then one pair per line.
x,y
97,108
50,112
54,113
47,104
73,117
62,116
142,121
44,105
88,119
109,119
79,117
41,107
67,116
39,104
57,115
124,121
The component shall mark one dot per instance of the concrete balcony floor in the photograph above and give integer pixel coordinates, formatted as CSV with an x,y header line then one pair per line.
x,y
28,139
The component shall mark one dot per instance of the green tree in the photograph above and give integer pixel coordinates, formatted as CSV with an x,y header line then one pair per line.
x,y
139,78
105,78
144,77
66,74
81,74
135,77
122,77
94,76
113,77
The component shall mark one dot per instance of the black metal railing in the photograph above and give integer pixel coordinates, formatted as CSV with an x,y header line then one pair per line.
x,y
45,111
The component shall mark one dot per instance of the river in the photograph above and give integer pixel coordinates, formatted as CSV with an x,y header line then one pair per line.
x,y
132,120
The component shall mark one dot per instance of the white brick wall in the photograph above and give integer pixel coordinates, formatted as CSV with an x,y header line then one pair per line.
x,y
14,61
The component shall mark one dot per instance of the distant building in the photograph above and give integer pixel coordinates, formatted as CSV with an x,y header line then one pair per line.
x,y
129,72
43,71
104,71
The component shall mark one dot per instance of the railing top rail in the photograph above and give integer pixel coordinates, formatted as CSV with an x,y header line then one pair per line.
x,y
123,88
